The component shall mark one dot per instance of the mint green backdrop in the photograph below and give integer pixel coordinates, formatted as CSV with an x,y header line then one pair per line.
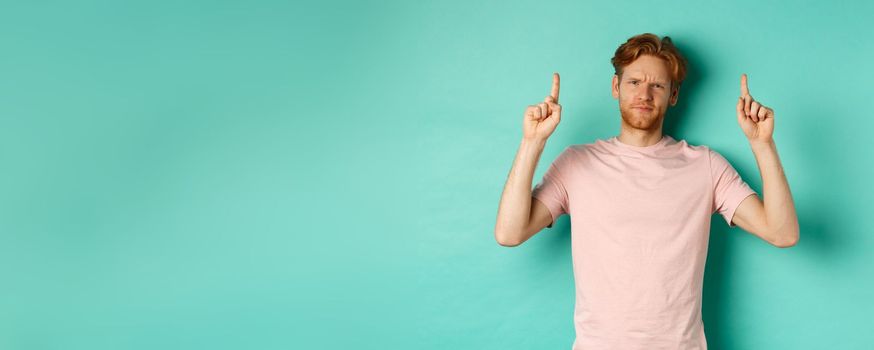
x,y
281,175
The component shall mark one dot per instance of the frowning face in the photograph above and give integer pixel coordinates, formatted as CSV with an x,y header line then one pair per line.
x,y
644,92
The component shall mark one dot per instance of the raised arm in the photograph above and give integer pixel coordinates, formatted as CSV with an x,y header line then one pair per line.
x,y
519,216
773,220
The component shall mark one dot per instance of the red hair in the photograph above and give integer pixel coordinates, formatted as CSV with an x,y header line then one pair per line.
x,y
650,44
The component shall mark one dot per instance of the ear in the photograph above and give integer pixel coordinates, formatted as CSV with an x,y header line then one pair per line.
x,y
675,93
615,86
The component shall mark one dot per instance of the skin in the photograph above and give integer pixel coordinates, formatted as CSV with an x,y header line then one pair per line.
x,y
646,83
773,219
643,84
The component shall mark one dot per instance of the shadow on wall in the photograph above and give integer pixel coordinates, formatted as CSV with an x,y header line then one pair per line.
x,y
695,72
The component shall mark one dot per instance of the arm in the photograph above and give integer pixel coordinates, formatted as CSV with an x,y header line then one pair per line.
x,y
520,217
775,220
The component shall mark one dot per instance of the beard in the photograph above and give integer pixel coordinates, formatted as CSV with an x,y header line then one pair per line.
x,y
642,120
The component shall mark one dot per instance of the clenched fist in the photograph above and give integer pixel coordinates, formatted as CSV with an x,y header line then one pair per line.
x,y
542,118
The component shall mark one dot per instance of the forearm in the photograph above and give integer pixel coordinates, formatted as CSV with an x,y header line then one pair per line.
x,y
515,206
779,206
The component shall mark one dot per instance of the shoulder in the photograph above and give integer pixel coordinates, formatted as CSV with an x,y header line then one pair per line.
x,y
686,146
572,155
718,162
578,149
582,149
692,152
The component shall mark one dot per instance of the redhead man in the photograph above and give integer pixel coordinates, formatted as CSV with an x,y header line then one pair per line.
x,y
640,204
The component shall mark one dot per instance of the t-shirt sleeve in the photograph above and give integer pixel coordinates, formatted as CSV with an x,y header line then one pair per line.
x,y
729,189
551,190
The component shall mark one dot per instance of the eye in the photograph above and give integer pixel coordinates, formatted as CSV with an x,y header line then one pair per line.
x,y
659,86
634,82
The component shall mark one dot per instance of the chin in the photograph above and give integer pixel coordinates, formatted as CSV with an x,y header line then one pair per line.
x,y
641,121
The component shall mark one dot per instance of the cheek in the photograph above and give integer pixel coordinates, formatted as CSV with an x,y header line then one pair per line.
x,y
626,93
625,99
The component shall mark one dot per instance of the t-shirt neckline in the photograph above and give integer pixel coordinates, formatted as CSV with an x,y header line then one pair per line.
x,y
646,149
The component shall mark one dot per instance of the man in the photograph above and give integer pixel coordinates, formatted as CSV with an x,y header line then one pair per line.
x,y
640,204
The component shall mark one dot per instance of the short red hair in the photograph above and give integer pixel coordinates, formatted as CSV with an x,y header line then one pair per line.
x,y
650,44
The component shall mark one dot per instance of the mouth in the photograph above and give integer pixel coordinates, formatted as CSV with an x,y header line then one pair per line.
x,y
643,108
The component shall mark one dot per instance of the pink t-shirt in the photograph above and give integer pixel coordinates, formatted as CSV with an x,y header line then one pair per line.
x,y
640,223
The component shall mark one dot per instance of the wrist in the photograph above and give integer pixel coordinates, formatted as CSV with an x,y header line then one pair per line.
x,y
533,142
762,144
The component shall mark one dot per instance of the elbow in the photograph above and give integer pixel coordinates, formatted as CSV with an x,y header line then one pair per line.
x,y
786,244
505,241
787,240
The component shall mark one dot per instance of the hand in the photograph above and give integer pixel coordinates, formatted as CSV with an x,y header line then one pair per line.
x,y
541,119
756,120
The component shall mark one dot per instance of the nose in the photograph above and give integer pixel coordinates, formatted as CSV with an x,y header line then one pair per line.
x,y
645,93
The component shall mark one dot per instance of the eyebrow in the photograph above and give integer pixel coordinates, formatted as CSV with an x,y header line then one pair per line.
x,y
657,81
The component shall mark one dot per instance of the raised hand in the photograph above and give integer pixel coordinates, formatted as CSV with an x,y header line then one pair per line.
x,y
541,119
756,120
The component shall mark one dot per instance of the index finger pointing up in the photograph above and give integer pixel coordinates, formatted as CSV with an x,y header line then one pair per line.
x,y
744,89
555,83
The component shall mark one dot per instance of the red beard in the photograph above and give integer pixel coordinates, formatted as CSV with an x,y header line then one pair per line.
x,y
641,119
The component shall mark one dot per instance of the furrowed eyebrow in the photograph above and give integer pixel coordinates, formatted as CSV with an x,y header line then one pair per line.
x,y
656,82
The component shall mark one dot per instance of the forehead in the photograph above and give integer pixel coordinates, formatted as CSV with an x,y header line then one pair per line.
x,y
647,66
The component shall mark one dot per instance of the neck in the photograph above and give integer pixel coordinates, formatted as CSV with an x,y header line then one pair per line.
x,y
639,137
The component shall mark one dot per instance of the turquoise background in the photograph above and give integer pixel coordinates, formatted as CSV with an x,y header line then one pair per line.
x,y
326,175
